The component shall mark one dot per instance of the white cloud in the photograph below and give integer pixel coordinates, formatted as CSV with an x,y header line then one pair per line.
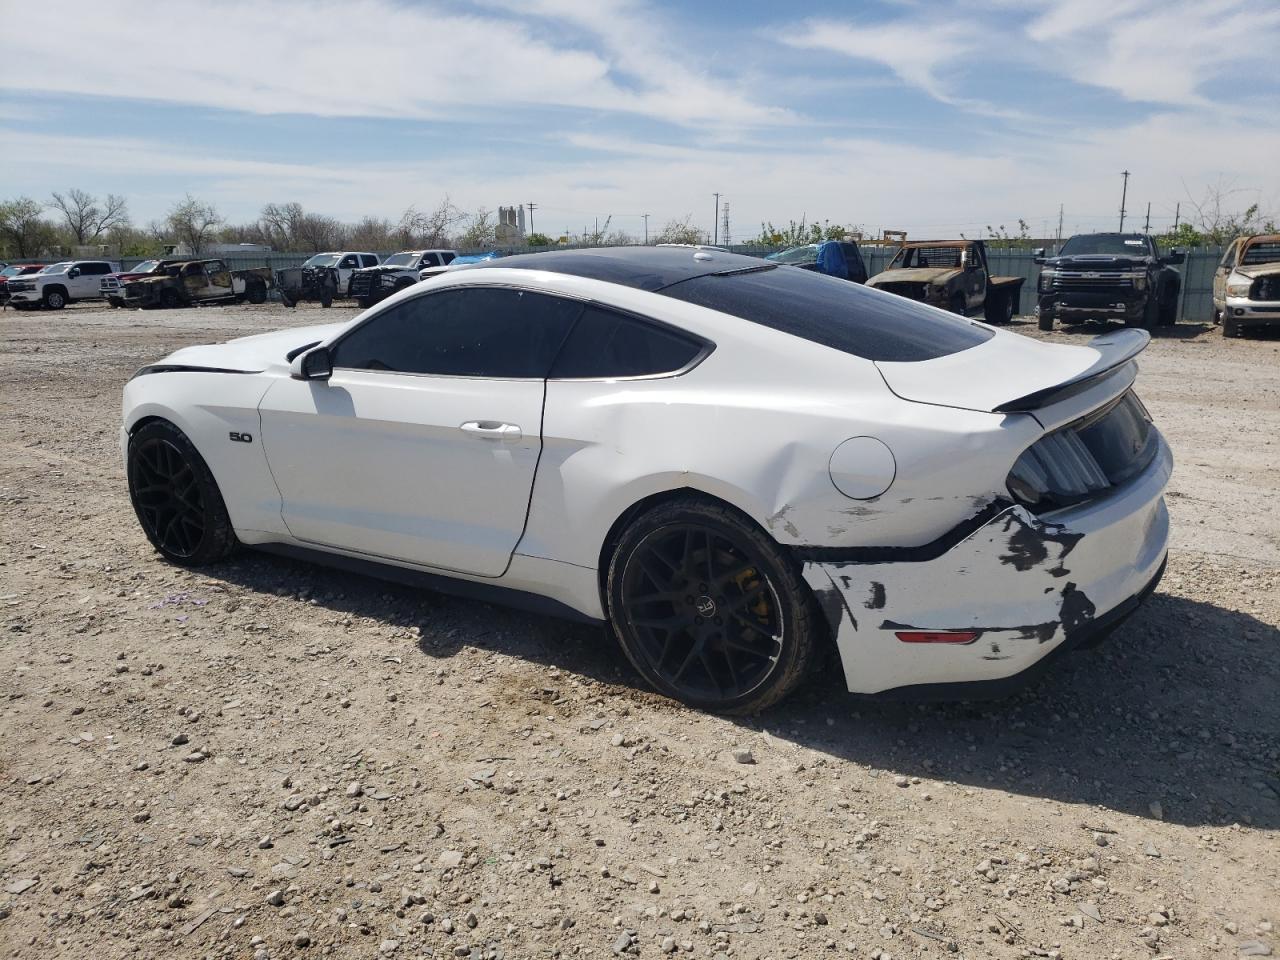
x,y
370,58
863,179
1159,51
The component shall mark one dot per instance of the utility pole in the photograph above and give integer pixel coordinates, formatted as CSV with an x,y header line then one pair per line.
x,y
724,223
1177,212
646,228
1059,223
1123,194
715,222
531,207
1147,227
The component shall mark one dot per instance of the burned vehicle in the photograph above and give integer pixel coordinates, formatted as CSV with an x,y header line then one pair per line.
x,y
952,275
952,505
184,283
1246,286
113,283
398,271
318,283
1109,276
835,258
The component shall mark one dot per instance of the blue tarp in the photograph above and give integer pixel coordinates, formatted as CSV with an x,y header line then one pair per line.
x,y
831,260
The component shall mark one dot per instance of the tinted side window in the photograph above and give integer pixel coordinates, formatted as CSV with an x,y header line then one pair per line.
x,y
835,313
448,258
92,269
477,332
349,262
430,260
368,259
605,345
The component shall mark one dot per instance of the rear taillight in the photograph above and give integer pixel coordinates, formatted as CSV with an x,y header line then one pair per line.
x,y
1085,458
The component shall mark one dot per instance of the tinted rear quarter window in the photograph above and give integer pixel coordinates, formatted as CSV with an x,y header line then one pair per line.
x,y
834,313
609,345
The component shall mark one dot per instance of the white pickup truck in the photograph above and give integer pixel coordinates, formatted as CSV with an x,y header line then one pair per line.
x,y
345,262
398,271
59,284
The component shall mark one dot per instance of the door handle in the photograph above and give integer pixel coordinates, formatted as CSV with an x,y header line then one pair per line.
x,y
492,430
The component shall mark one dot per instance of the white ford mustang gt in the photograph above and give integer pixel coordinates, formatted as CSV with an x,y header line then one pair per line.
x,y
735,464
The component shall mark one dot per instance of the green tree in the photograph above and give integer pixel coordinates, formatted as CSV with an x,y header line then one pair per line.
x,y
681,230
23,231
538,240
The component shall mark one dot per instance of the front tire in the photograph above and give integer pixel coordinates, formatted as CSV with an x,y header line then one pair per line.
x,y
55,299
709,610
1230,328
169,298
1169,307
176,498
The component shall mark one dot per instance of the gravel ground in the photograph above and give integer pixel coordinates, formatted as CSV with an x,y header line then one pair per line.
x,y
269,760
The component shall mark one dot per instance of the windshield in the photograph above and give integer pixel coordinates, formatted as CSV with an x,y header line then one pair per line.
x,y
1108,245
146,266
56,268
10,271
1261,251
806,254
401,260
323,260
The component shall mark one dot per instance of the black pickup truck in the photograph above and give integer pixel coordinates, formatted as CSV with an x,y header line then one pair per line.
x,y
1109,276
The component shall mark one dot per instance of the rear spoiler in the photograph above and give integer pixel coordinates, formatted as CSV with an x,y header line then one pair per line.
x,y
1115,349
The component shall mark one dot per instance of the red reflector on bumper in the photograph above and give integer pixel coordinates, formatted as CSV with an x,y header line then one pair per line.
x,y
937,636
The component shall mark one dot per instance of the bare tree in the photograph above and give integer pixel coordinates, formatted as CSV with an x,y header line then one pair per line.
x,y
23,231
681,231
192,223
315,232
1218,215
620,238
372,233
417,229
482,231
86,221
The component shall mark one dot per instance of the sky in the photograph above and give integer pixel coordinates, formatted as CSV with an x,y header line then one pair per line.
x,y
939,118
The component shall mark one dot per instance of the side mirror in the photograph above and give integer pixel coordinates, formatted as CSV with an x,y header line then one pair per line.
x,y
1037,255
315,364
1174,256
73,272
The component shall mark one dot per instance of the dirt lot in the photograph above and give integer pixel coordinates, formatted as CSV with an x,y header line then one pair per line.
x,y
270,760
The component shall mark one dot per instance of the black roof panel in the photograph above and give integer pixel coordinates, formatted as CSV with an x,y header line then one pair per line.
x,y
645,268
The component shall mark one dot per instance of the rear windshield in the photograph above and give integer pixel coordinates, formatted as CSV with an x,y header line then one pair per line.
x,y
927,257
835,313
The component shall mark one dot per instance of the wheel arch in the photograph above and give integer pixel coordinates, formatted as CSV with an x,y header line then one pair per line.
x,y
651,500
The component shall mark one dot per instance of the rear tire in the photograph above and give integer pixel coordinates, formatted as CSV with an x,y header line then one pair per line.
x,y
999,308
1169,307
709,609
1045,320
256,292
176,498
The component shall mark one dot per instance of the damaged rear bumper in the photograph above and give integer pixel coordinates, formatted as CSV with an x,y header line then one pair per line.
x,y
1029,588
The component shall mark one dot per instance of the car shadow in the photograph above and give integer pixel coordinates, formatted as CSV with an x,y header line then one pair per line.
x,y
1177,708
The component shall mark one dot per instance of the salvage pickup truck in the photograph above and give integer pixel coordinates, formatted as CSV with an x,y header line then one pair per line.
x,y
1109,276
112,284
953,275
1246,285
197,281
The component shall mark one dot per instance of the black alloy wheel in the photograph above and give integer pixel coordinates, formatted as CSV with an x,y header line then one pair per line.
x,y
708,610
176,498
